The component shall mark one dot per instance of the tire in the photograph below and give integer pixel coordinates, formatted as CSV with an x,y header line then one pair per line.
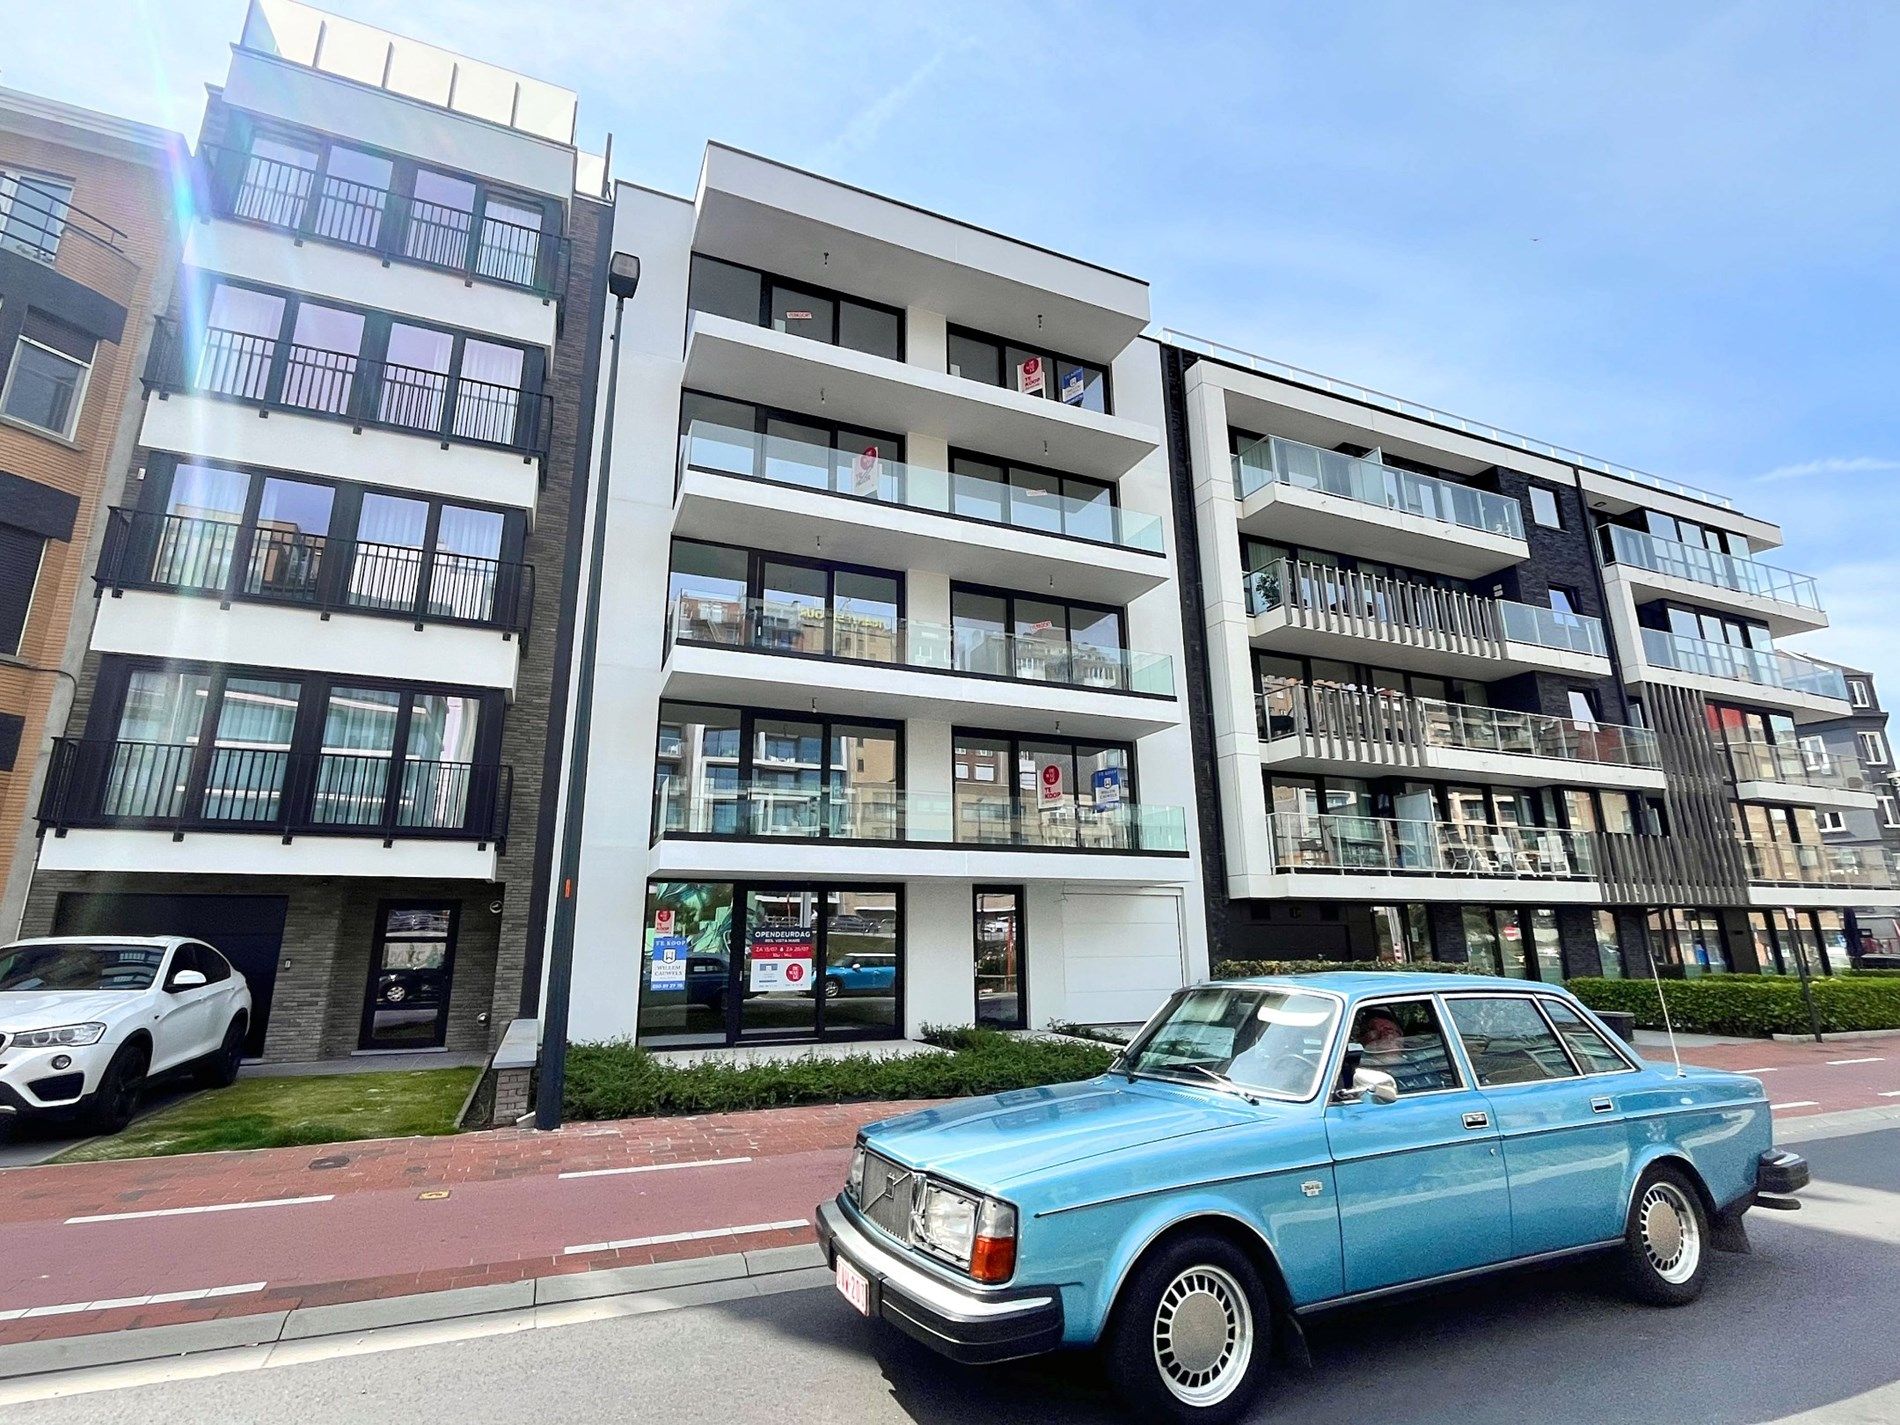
x,y
1665,1256
833,987
1191,1337
219,1069
116,1099
395,994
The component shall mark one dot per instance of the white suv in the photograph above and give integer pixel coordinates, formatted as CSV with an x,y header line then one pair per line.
x,y
86,1019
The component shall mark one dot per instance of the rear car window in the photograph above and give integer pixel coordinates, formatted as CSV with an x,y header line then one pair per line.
x,y
1508,1041
1588,1047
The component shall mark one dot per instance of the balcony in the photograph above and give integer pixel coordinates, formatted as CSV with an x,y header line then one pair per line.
x,y
898,515
39,221
727,357
250,592
1777,772
341,387
1811,691
1306,495
1776,869
1379,858
1300,607
130,805
249,188
753,651
1367,732
1663,568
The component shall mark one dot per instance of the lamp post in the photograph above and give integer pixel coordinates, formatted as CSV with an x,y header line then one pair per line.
x,y
623,278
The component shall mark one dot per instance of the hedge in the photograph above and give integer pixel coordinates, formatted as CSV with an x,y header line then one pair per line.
x,y
617,1080
1244,969
1751,1004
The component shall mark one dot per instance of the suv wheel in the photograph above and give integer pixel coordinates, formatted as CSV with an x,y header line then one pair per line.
x,y
219,1069
1191,1334
117,1098
1666,1240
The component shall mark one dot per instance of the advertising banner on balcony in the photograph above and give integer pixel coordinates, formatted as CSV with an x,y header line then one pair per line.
x,y
1049,789
1107,786
1074,387
867,472
1031,378
780,957
669,962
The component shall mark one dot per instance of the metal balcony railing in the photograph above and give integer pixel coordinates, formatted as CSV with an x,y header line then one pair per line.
x,y
1834,768
801,807
478,246
1368,725
725,450
1769,667
1274,460
870,636
39,221
343,386
145,549
1708,566
1366,395
183,787
1333,843
1836,867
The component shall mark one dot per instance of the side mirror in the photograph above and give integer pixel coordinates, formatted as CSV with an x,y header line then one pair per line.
x,y
187,980
1377,1083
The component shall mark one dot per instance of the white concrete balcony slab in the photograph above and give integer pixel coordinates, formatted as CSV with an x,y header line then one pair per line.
x,y
752,363
239,854
1794,776
1652,568
1806,690
1305,495
768,493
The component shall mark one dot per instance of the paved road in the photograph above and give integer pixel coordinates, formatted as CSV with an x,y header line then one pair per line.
x,y
1792,1331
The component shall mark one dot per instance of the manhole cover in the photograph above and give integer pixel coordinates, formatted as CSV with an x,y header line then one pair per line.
x,y
335,1161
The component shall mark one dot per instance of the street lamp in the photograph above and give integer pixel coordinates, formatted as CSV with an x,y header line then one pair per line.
x,y
623,279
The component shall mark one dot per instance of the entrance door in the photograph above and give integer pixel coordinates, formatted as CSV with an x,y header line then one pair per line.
x,y
406,1005
1002,979
776,998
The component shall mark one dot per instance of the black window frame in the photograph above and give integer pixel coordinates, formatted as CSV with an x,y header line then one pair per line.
x,y
1131,794
837,298
1056,360
379,942
1069,606
762,416
756,561
1065,479
1020,894
17,598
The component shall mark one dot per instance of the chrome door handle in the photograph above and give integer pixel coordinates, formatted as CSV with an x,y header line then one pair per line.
x,y
1477,1120
1601,1105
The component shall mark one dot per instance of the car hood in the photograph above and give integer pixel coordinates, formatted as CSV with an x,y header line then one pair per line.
x,y
1000,1138
45,1009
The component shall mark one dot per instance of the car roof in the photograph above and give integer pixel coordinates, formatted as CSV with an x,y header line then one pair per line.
x,y
163,942
1361,984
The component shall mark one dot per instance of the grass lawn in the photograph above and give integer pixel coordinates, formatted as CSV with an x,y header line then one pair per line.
x,y
293,1112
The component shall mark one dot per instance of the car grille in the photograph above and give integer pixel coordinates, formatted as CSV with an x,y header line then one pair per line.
x,y
887,1195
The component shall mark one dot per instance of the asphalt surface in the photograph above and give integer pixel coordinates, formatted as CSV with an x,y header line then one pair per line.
x,y
1797,1330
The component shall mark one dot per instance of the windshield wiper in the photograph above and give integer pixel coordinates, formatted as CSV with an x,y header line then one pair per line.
x,y
1217,1078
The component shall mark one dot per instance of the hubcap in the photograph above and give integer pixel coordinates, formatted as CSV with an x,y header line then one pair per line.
x,y
1203,1337
1671,1240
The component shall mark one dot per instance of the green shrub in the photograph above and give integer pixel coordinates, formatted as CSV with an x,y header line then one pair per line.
x,y
1244,969
1750,1004
617,1080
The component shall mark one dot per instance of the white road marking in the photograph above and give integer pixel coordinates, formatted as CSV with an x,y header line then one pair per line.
x,y
686,1236
187,1211
1774,1070
1797,1103
652,1168
202,1293
1890,1093
1835,1063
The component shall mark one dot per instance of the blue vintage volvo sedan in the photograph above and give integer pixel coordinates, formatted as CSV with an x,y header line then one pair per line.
x,y
1270,1148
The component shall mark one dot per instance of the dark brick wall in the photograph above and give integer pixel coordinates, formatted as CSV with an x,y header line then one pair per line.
x,y
1448,933
1577,940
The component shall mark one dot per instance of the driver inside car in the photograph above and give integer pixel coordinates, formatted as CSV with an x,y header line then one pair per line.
x,y
1416,1061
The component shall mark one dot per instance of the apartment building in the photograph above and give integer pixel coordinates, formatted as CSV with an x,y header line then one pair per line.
x,y
87,249
891,726
1854,751
312,717
1473,697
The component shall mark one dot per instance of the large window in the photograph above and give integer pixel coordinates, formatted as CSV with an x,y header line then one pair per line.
x,y
1027,368
21,552
759,299
1687,942
33,210
742,598
723,771
1041,791
727,963
1003,634
46,380
1031,498
739,438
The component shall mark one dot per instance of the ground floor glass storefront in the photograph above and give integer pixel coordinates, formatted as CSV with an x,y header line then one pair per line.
x,y
727,962
1788,941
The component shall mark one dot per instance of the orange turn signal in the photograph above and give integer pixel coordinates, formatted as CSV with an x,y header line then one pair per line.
x,y
993,1259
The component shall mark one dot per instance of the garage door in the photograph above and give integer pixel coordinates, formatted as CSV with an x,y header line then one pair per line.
x,y
1123,954
248,929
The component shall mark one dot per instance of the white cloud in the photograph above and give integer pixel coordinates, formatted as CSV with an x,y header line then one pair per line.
x,y
1831,465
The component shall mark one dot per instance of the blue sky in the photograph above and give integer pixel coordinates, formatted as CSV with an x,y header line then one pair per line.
x,y
1666,234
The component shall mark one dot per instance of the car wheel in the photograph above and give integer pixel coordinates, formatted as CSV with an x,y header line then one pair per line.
x,y
833,987
1190,1339
219,1070
395,994
1666,1240
117,1098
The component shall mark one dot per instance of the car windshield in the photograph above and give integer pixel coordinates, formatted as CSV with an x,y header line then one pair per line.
x,y
78,966
1263,1040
